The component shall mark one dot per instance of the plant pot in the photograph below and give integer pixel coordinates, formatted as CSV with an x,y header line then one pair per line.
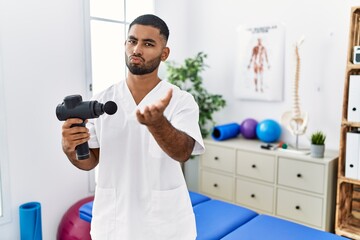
x,y
317,151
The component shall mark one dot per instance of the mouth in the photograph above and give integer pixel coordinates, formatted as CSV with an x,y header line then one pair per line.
x,y
136,60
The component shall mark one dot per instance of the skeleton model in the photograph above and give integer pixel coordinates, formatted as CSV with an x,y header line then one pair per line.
x,y
295,120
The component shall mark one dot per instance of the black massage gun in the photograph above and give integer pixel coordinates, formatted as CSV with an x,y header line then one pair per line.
x,y
74,107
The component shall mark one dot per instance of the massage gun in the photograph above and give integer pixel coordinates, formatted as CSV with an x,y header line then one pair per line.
x,y
74,107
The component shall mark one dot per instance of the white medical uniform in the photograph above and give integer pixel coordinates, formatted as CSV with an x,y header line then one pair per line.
x,y
141,193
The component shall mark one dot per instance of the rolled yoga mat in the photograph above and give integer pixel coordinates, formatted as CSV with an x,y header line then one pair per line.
x,y
30,221
223,132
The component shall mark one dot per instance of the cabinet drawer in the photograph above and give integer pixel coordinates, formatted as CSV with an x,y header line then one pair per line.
x,y
255,195
254,165
299,207
302,175
219,158
217,185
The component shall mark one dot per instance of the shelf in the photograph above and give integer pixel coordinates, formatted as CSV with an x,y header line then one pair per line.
x,y
352,67
350,124
348,206
342,179
348,231
347,219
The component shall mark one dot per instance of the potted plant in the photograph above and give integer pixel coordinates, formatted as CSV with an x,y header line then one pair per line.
x,y
187,77
317,147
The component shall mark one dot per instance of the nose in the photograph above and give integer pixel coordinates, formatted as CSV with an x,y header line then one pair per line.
x,y
137,51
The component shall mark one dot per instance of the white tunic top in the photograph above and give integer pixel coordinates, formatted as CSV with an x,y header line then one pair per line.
x,y
141,192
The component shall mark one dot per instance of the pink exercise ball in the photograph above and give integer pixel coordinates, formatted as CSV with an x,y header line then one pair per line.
x,y
248,128
72,227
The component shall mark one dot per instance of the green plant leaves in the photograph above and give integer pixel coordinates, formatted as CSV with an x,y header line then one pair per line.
x,y
318,138
187,77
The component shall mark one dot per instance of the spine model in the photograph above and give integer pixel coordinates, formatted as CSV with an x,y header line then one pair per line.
x,y
296,120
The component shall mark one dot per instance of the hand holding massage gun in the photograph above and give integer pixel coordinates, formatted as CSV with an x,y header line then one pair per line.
x,y
74,107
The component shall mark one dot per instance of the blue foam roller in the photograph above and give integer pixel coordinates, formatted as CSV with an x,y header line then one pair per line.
x,y
30,221
223,132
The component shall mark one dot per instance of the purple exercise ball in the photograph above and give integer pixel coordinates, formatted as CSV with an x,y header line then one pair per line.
x,y
248,128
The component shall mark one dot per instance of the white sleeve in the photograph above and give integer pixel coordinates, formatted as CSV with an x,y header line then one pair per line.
x,y
186,119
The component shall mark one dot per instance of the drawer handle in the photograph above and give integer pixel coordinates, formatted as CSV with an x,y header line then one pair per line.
x,y
297,207
216,158
215,185
253,166
299,175
252,195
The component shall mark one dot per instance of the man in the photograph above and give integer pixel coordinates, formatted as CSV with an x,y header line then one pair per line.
x,y
258,55
141,192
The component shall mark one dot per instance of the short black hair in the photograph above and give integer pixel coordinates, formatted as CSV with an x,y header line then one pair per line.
x,y
154,21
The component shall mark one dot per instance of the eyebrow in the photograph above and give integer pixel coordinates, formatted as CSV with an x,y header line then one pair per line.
x,y
145,40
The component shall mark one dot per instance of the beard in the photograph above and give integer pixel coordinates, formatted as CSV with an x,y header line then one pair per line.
x,y
147,67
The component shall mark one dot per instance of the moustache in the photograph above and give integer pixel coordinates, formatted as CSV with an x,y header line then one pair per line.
x,y
136,56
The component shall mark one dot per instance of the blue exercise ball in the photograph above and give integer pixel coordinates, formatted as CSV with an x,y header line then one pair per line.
x,y
268,130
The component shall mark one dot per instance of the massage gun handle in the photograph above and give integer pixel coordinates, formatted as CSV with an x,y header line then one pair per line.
x,y
82,150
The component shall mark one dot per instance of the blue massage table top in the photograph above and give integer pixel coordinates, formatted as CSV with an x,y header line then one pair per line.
x,y
273,228
197,198
215,219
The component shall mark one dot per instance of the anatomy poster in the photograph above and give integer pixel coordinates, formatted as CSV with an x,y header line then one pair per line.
x,y
260,62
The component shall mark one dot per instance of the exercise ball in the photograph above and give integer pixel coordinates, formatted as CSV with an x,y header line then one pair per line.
x,y
248,128
268,130
72,227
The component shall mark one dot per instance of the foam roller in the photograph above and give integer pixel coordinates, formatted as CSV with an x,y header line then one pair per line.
x,y
223,132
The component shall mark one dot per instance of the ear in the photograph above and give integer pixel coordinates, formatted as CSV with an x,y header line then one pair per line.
x,y
165,53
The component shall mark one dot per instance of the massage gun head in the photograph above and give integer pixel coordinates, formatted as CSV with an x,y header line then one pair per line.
x,y
74,107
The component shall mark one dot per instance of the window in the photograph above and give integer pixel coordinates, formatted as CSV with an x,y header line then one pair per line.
x,y
4,171
106,24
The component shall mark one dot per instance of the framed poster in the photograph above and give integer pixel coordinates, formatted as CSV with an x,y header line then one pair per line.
x,y
259,68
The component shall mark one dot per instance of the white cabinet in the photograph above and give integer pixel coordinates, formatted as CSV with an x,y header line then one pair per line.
x,y
292,186
218,185
298,206
304,175
255,165
255,195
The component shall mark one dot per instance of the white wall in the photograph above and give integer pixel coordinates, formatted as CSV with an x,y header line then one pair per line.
x,y
43,61
210,26
173,12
